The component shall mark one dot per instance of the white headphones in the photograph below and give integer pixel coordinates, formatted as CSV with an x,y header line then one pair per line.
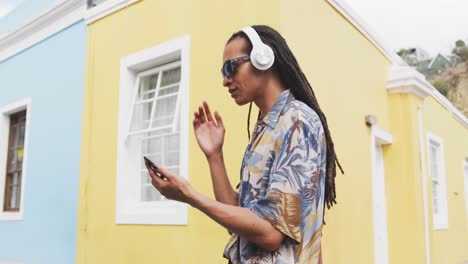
x,y
262,56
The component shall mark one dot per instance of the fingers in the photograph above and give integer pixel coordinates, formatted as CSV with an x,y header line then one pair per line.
x,y
201,115
196,121
207,110
165,173
158,182
204,115
218,119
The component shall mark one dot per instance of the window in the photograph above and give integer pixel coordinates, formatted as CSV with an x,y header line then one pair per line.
x,y
14,165
153,122
13,149
439,190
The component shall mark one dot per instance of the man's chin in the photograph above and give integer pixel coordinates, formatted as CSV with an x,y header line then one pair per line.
x,y
241,102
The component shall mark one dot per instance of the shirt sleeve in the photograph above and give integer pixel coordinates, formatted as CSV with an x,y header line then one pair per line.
x,y
293,188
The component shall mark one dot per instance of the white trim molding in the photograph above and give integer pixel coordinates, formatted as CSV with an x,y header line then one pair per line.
x,y
5,113
422,155
379,138
46,24
404,79
129,207
350,15
439,221
106,8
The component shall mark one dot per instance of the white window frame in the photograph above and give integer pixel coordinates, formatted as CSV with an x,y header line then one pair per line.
x,y
5,113
439,220
379,139
465,174
129,208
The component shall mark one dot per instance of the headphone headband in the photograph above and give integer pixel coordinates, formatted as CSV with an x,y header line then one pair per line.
x,y
262,56
253,36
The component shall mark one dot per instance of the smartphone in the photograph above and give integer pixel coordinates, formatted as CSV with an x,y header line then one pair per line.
x,y
152,166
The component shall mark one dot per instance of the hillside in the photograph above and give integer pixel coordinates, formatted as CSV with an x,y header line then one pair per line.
x,y
455,81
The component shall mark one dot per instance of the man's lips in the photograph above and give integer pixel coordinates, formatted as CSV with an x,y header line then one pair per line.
x,y
231,91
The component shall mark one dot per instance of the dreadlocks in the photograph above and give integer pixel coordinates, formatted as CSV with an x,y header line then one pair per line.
x,y
291,76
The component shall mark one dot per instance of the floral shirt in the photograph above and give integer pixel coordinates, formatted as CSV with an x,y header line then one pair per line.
x,y
283,182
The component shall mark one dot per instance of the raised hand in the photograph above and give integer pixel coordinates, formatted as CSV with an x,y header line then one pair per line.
x,y
209,134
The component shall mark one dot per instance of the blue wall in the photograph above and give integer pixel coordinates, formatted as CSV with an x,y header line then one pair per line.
x,y
51,73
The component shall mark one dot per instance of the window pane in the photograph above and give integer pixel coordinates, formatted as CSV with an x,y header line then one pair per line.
x,y
19,154
164,111
145,177
172,142
141,116
172,158
15,136
170,77
171,150
152,146
21,135
12,198
147,87
434,161
169,90
18,118
174,170
12,160
14,189
149,193
435,197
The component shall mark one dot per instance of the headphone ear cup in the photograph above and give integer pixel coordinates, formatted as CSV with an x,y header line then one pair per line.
x,y
262,57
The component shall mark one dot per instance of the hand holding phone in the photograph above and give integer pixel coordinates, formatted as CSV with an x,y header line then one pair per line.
x,y
153,167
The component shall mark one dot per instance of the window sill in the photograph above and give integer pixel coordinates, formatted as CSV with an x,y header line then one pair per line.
x,y
440,227
157,213
16,216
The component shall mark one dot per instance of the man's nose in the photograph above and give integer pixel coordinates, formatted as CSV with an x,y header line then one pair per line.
x,y
226,81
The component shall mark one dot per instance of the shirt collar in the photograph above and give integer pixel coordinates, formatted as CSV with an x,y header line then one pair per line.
x,y
272,117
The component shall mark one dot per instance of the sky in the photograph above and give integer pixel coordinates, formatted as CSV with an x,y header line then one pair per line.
x,y
433,25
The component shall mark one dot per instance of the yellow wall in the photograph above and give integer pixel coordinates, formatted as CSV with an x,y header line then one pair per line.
x,y
348,75
404,183
449,246
142,25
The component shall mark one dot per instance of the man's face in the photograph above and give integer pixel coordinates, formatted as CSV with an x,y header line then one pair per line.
x,y
244,84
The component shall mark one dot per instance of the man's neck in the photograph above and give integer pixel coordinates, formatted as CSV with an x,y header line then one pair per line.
x,y
266,102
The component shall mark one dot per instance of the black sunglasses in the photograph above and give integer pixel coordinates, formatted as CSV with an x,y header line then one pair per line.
x,y
229,68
